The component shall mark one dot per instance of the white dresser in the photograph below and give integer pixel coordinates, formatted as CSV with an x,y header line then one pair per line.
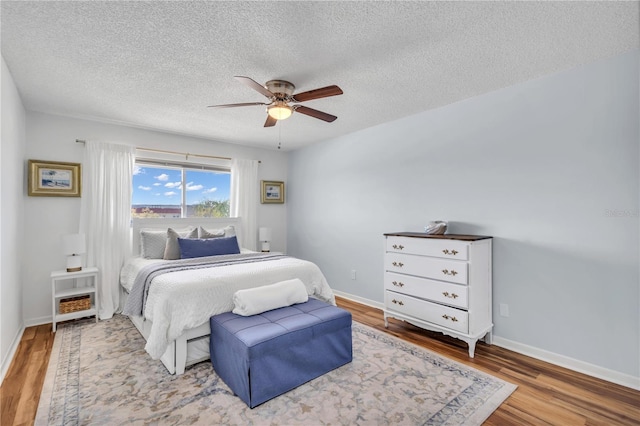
x,y
440,283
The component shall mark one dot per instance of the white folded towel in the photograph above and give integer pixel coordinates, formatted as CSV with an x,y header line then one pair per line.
x,y
253,301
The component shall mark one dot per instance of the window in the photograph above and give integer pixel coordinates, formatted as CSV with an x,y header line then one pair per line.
x,y
179,190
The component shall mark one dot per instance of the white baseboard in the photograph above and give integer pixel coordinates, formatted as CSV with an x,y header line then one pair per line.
x,y
6,363
570,363
359,299
541,354
38,321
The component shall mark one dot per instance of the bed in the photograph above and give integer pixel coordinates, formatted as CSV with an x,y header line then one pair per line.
x,y
172,312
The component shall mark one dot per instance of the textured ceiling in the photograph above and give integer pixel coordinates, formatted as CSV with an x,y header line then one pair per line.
x,y
159,64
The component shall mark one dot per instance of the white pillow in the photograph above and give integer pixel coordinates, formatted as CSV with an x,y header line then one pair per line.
x,y
227,231
152,243
172,247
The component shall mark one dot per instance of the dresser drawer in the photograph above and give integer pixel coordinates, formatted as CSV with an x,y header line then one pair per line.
x,y
448,249
428,267
444,316
437,291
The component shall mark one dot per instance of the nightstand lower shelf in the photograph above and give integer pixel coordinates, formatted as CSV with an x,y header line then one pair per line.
x,y
77,314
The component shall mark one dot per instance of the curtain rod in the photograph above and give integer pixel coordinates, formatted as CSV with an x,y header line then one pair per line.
x,y
186,154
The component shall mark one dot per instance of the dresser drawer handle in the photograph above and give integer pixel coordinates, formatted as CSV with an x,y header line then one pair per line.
x,y
452,295
447,272
399,302
398,246
397,283
452,252
454,319
398,264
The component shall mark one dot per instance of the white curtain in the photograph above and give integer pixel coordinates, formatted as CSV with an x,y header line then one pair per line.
x,y
105,216
244,199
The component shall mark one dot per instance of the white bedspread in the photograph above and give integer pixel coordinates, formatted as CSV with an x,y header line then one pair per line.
x,y
178,301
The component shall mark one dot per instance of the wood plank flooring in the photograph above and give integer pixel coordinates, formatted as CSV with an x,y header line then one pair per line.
x,y
20,390
546,394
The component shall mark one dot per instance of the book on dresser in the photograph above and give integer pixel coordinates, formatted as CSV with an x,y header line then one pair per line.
x,y
440,283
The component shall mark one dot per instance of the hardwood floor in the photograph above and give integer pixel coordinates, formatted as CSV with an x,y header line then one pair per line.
x,y
20,390
546,394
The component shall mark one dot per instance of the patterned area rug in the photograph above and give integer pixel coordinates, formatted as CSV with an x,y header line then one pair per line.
x,y
100,374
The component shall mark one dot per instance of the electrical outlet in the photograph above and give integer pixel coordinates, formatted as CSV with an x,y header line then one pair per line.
x,y
504,310
353,274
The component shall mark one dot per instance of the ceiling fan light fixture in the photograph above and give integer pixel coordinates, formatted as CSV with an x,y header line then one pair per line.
x,y
280,111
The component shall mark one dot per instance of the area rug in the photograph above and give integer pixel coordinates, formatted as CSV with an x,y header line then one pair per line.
x,y
100,374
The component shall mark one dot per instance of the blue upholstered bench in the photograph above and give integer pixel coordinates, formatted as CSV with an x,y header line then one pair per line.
x,y
262,356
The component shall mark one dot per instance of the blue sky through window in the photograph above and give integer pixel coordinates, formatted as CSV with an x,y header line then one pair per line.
x,y
163,186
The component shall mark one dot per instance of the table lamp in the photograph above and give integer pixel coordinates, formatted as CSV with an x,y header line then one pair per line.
x,y
264,235
73,245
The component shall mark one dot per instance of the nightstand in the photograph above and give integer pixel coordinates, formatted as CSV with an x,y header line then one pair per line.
x,y
90,289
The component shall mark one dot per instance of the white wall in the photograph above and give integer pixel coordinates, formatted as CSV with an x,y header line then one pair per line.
x,y
12,147
549,168
51,137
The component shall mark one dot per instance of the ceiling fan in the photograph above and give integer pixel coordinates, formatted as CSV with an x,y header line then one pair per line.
x,y
280,95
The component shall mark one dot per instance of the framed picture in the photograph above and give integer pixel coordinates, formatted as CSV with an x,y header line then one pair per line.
x,y
54,179
272,192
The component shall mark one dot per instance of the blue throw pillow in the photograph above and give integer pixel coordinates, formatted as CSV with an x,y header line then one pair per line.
x,y
193,247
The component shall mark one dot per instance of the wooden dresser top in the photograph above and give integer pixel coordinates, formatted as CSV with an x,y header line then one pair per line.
x,y
438,237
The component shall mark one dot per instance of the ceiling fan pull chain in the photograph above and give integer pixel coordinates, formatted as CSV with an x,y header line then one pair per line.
x,y
279,136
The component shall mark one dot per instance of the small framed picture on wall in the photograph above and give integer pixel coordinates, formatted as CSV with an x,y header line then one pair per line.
x,y
54,179
272,192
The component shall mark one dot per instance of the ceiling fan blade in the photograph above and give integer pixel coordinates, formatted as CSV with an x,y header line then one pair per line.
x,y
237,105
323,92
315,113
254,85
270,121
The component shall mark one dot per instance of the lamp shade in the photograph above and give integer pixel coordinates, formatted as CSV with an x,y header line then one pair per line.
x,y
73,244
264,234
